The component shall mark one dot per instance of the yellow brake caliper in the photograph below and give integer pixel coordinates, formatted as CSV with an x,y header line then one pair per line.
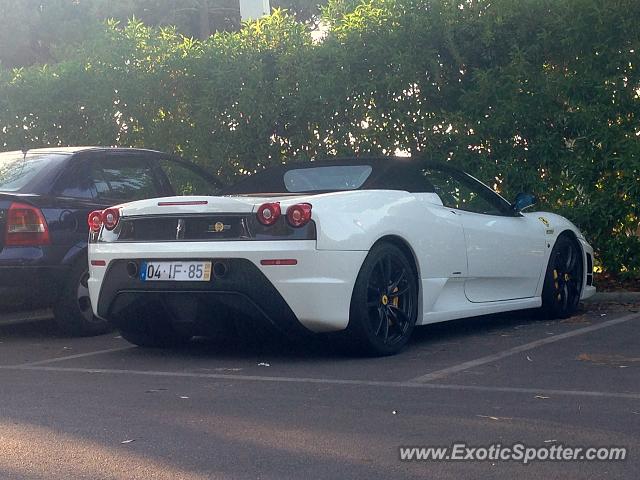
x,y
556,284
395,301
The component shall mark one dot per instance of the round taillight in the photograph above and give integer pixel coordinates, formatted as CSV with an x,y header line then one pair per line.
x,y
299,214
110,218
95,220
268,213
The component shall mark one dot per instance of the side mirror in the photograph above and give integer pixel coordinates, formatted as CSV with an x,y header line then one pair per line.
x,y
523,201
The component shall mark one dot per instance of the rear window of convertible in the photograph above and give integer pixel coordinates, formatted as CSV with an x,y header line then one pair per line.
x,y
335,178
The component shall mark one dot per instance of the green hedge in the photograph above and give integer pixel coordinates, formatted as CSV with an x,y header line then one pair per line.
x,y
534,95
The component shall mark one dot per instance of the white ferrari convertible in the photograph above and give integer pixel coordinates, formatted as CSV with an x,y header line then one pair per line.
x,y
369,247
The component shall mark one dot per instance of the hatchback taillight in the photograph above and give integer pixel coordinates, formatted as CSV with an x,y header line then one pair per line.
x,y
26,226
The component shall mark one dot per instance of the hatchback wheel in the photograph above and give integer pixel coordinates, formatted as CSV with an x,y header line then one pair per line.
x,y
73,313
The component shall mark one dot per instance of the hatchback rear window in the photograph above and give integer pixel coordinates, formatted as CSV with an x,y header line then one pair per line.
x,y
17,170
123,179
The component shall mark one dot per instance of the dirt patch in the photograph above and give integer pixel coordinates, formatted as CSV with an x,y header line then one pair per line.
x,y
577,320
619,361
604,307
606,282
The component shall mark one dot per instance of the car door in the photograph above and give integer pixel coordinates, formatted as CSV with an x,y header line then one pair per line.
x,y
97,180
74,192
123,177
184,178
505,250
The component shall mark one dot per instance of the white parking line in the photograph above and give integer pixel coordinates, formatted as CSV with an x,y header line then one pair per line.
x,y
328,381
418,382
71,357
521,348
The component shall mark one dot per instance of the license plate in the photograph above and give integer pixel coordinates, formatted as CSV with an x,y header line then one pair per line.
x,y
175,271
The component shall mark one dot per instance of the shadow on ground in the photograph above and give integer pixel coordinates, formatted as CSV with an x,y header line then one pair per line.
x,y
316,346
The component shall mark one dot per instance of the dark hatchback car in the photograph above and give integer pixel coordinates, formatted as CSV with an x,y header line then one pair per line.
x,y
45,198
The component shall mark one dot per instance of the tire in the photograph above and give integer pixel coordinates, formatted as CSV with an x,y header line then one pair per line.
x,y
150,327
73,314
563,279
384,303
165,337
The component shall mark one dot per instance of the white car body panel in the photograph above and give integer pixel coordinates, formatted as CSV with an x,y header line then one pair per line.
x,y
467,264
509,272
314,288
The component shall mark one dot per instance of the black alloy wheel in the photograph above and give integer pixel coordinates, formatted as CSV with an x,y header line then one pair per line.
x,y
563,280
384,304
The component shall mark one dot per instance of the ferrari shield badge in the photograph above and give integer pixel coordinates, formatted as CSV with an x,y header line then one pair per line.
x,y
218,227
549,230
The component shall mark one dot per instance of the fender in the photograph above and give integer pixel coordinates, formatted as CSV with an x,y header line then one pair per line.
x,y
76,253
357,220
556,225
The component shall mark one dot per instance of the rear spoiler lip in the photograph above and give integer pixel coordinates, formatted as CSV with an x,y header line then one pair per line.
x,y
31,198
18,194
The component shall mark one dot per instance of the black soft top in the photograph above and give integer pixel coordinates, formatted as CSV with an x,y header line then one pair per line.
x,y
387,173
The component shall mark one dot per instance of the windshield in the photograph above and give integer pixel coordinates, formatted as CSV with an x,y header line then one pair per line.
x,y
17,170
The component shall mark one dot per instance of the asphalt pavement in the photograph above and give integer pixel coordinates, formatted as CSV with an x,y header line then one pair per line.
x,y
99,408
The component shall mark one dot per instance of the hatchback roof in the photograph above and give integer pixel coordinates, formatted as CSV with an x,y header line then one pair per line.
x,y
72,150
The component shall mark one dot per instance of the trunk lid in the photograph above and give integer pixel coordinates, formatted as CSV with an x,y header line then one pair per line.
x,y
196,218
194,205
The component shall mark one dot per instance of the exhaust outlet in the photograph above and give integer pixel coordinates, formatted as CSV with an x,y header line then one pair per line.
x,y
220,269
132,269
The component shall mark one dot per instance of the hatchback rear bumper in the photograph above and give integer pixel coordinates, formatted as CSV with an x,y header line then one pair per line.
x,y
25,288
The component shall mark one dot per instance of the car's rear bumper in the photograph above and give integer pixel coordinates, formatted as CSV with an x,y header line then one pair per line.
x,y
32,278
26,288
315,293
